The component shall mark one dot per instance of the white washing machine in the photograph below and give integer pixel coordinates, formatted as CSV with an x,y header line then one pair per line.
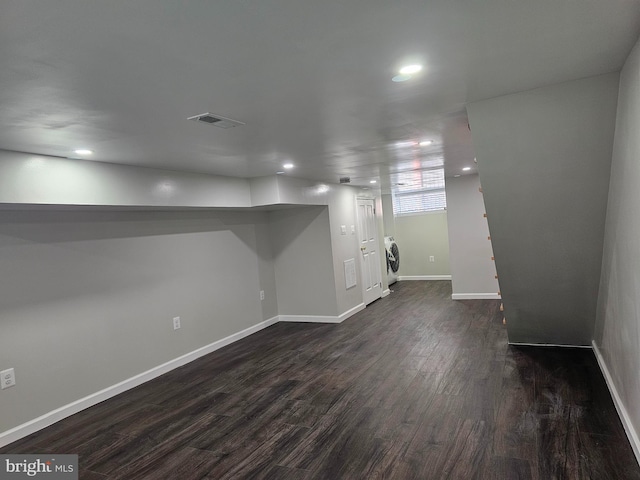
x,y
393,259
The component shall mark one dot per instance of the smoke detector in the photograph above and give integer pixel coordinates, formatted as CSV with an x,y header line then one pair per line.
x,y
216,120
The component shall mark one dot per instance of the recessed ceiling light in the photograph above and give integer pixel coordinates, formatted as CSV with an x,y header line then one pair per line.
x,y
410,69
373,181
466,169
83,151
287,166
280,172
401,78
456,176
424,143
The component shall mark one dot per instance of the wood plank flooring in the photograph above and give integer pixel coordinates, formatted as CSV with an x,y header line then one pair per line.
x,y
416,386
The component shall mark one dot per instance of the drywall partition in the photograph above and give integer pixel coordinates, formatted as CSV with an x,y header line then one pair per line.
x,y
472,270
381,221
266,267
389,222
264,191
302,254
617,329
37,179
345,245
544,159
299,191
420,237
91,296
340,200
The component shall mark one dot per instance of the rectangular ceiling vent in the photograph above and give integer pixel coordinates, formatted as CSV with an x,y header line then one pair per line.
x,y
215,120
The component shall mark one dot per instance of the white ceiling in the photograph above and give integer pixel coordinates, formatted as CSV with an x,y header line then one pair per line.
x,y
311,79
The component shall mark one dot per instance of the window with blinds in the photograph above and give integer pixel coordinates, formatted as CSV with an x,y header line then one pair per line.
x,y
422,191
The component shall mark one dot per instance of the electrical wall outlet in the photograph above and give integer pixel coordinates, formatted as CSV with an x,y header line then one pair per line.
x,y
7,378
432,258
176,323
261,294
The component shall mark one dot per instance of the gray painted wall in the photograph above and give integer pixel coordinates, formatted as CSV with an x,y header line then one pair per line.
x,y
617,330
472,270
303,261
37,179
87,297
544,159
418,237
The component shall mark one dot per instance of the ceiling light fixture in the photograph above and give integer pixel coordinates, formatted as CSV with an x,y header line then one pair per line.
x,y
410,69
407,72
424,143
83,151
456,176
466,169
287,166
401,78
279,172
373,181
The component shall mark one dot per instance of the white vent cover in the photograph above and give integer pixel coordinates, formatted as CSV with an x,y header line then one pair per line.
x,y
215,120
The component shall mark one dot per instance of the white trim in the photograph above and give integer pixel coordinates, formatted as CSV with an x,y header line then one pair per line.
x,y
385,292
310,318
524,344
72,408
634,440
322,318
424,277
352,311
475,296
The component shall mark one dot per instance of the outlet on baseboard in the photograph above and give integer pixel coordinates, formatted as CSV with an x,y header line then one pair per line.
x,y
176,323
7,378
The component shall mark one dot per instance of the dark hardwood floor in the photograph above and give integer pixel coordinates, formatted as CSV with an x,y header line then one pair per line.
x,y
416,386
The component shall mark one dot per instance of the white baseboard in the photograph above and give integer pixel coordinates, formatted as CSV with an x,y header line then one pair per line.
x,y
352,311
322,318
475,296
385,292
310,318
72,408
524,344
424,277
617,401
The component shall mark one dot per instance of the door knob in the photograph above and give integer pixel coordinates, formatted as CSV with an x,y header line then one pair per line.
x,y
363,248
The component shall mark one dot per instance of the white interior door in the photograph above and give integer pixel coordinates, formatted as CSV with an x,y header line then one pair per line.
x,y
369,259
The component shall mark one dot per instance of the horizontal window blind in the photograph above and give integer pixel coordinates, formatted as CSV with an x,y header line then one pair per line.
x,y
419,202
424,192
